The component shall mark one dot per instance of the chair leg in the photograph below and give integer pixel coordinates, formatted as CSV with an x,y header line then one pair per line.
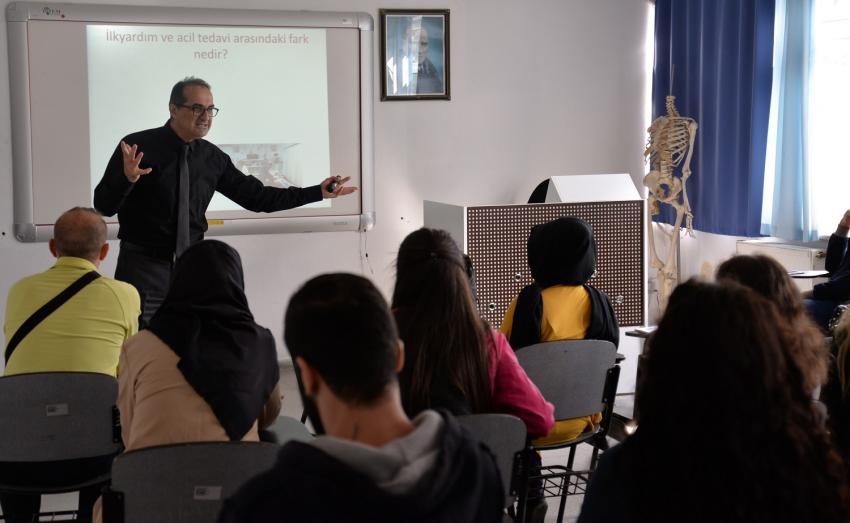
x,y
522,496
593,457
566,485
572,457
563,504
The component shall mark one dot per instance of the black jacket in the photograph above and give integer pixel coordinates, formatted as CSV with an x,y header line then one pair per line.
x,y
838,265
308,485
528,314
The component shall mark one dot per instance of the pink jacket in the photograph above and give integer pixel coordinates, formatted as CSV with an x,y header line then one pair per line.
x,y
513,392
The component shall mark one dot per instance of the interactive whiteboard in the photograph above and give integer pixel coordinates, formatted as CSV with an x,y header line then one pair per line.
x,y
294,89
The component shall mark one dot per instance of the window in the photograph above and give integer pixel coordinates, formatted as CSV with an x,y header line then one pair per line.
x,y
829,113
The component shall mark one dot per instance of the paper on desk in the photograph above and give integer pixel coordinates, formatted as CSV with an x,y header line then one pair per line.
x,y
807,274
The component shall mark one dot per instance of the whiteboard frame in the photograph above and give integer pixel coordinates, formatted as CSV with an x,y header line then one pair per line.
x,y
18,14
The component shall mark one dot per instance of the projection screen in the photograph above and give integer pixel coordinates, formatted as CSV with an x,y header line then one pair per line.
x,y
294,89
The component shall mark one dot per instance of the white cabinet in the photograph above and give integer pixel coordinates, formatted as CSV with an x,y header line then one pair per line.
x,y
793,256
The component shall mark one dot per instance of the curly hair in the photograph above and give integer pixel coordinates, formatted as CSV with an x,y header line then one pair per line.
x,y
727,431
768,278
444,336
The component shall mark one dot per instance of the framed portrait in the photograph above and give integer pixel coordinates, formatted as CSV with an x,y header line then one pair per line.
x,y
414,54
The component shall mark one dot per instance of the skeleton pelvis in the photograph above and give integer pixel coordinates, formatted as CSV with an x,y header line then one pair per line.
x,y
665,188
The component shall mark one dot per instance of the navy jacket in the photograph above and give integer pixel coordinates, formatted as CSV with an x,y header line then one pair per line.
x,y
838,265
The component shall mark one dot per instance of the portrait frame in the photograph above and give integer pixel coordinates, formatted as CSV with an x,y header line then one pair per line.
x,y
414,54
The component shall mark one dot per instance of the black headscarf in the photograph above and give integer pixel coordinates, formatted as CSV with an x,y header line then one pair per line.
x,y
225,356
561,252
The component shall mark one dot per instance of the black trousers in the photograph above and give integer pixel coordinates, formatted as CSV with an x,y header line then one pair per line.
x,y
149,272
24,508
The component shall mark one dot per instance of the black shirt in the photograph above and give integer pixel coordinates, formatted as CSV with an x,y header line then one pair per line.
x,y
147,209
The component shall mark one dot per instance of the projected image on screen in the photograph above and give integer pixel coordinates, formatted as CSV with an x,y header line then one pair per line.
x,y
274,164
271,85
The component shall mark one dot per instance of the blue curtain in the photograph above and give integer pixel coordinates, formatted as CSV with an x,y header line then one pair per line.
x,y
788,211
722,52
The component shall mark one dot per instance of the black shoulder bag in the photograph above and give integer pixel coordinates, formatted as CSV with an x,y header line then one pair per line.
x,y
47,309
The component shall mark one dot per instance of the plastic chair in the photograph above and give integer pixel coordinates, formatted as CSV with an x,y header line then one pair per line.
x,y
505,436
60,431
579,377
186,482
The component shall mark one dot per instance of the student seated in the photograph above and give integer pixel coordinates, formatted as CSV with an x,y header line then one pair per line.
x,y
836,392
824,297
374,464
560,304
202,370
454,360
83,334
764,275
727,430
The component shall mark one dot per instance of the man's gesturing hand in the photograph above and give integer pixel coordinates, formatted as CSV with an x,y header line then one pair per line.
x,y
340,189
845,220
131,163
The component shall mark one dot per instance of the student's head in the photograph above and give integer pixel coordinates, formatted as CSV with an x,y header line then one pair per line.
x,y
769,279
764,275
720,386
562,252
722,348
443,333
191,108
81,233
208,274
339,325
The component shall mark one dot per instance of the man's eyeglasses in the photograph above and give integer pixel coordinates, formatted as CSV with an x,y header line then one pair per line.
x,y
199,109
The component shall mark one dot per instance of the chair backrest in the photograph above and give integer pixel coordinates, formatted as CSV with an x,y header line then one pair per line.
x,y
571,374
184,482
287,429
504,435
52,416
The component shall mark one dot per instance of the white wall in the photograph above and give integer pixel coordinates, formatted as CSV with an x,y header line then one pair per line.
x,y
539,88
699,256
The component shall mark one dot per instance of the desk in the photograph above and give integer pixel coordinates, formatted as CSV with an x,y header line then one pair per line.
x,y
643,333
625,415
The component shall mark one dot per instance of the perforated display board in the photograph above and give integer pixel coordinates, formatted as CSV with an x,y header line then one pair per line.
x,y
497,238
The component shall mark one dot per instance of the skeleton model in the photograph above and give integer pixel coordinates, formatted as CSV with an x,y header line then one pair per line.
x,y
670,147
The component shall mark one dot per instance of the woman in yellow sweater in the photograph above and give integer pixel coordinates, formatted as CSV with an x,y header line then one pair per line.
x,y
560,305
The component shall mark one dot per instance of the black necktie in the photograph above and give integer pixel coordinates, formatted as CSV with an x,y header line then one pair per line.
x,y
183,203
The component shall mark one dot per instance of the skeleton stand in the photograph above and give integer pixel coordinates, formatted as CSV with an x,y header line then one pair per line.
x,y
670,146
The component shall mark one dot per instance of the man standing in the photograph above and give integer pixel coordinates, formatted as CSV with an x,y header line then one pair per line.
x,y
160,182
82,334
374,464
